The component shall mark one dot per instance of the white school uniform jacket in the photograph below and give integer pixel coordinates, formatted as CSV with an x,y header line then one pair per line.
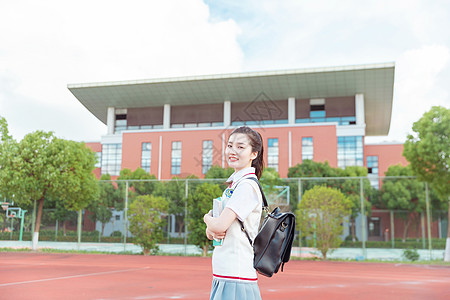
x,y
234,259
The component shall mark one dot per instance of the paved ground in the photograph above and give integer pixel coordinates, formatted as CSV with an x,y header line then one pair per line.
x,y
112,277
342,253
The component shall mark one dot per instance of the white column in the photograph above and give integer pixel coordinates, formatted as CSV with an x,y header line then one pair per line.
x,y
166,119
291,110
226,113
110,119
359,109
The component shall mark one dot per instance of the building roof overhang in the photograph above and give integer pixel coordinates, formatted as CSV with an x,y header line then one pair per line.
x,y
375,81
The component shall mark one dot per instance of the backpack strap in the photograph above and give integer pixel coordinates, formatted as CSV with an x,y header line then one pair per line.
x,y
265,207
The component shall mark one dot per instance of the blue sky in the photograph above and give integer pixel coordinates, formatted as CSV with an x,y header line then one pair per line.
x,y
49,44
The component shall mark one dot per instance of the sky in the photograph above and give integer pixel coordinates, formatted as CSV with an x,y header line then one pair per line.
x,y
47,44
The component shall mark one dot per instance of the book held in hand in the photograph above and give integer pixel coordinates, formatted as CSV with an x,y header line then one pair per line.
x,y
217,210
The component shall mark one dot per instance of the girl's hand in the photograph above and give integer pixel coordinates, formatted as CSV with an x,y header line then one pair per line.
x,y
209,234
220,236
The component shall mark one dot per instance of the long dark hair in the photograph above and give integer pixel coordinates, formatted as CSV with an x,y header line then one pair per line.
x,y
256,143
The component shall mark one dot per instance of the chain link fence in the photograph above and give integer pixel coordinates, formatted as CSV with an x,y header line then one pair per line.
x,y
388,213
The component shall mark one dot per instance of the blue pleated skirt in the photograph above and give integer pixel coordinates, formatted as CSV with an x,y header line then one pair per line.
x,y
229,290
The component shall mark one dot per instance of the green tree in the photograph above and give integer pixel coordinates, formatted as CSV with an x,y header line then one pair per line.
x,y
42,166
428,151
403,194
174,192
136,186
200,203
275,189
352,190
219,172
146,221
322,212
307,169
108,198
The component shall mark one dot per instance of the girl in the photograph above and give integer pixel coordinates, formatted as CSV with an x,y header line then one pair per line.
x,y
233,274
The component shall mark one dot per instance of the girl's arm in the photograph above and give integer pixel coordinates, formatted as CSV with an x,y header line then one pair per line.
x,y
220,224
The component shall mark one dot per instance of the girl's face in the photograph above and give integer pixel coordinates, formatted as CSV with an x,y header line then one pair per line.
x,y
239,152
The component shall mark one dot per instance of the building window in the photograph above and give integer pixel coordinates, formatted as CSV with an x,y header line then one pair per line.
x,y
372,165
146,156
372,171
98,164
374,226
350,151
176,158
207,156
307,148
320,117
111,159
272,153
121,123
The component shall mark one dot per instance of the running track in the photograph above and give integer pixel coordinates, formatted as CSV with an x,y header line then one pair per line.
x,y
110,277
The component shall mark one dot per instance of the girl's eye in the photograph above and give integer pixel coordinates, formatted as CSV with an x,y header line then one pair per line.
x,y
229,146
240,147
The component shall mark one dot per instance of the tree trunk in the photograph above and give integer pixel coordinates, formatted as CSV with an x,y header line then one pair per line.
x,y
38,224
180,227
205,250
353,231
405,231
447,244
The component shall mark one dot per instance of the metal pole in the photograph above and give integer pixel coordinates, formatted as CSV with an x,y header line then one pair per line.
x,y
21,224
363,216
427,198
422,221
80,212
299,191
12,228
56,230
186,191
392,229
33,220
125,218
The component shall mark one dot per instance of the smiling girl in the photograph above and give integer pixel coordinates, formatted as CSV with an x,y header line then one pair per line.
x,y
233,274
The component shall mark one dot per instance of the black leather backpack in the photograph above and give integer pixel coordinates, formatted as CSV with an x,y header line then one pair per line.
x,y
273,244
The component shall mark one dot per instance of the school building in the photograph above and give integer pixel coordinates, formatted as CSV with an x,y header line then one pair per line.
x,y
179,126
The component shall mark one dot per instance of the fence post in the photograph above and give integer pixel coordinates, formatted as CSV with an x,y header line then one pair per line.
x,y
33,220
392,228
125,218
427,199
422,222
80,216
363,220
299,190
186,192
56,230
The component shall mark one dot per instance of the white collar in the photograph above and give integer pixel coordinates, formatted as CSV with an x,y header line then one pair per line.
x,y
236,176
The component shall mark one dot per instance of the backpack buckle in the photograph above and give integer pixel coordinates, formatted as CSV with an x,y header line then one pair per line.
x,y
284,225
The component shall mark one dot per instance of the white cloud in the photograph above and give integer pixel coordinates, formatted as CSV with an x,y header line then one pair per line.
x,y
48,44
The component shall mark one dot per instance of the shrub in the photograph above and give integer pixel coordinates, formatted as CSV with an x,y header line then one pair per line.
x,y
411,254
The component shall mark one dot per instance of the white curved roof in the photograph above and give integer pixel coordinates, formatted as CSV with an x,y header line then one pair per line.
x,y
375,81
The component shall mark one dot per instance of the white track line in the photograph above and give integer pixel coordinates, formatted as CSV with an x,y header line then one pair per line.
x,y
69,277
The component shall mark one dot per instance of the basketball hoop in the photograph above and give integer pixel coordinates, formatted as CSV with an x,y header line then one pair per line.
x,y
5,205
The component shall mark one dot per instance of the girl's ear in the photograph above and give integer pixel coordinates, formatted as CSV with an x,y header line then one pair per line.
x,y
253,155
